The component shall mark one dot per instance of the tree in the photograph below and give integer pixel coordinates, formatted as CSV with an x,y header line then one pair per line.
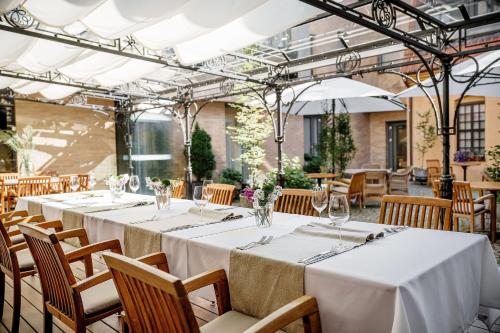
x,y
203,159
253,127
428,135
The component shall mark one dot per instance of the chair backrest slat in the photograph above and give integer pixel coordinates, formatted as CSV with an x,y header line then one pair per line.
x,y
463,199
222,194
179,189
295,201
33,186
417,212
357,184
154,301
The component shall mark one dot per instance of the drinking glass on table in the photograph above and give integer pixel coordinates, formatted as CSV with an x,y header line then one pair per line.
x,y
134,183
200,199
339,214
209,191
74,183
319,200
92,181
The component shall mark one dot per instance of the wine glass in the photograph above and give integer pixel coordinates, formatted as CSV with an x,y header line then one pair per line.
x,y
92,181
200,199
339,213
74,183
209,191
319,200
134,183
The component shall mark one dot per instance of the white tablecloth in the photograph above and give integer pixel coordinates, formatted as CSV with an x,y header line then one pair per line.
x,y
415,281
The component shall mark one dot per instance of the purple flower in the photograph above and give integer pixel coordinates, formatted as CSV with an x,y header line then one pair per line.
x,y
248,193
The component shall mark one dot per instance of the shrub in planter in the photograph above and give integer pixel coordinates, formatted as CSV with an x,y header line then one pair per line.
x,y
231,176
202,156
313,164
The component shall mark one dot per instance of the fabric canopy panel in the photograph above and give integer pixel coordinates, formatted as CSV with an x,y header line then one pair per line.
x,y
44,55
130,71
252,27
13,46
348,105
59,13
193,19
92,64
488,85
28,87
55,91
7,5
6,82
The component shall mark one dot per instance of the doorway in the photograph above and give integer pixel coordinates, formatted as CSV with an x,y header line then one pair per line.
x,y
396,145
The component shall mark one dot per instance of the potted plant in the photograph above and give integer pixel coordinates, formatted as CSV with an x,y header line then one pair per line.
x,y
201,147
493,169
425,143
22,144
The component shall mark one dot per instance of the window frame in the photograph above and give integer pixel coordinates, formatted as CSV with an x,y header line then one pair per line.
x,y
477,132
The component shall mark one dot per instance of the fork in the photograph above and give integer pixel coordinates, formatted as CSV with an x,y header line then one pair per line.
x,y
154,218
264,240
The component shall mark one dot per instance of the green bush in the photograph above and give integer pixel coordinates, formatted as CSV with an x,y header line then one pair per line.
x,y
231,176
313,164
294,175
202,157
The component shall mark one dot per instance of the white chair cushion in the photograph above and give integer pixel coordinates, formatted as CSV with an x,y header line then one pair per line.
x,y
230,322
340,189
25,260
100,298
16,239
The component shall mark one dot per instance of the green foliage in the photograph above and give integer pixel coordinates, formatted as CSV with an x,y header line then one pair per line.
x,y
337,148
294,175
312,164
231,176
166,182
203,159
21,143
252,129
493,169
428,135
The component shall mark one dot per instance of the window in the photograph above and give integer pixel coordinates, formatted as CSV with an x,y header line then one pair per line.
x,y
471,129
312,131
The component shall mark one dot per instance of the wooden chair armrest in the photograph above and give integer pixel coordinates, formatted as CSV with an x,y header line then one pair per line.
x,y
484,198
158,259
56,225
28,219
18,247
337,183
218,279
113,245
91,281
14,233
304,307
80,233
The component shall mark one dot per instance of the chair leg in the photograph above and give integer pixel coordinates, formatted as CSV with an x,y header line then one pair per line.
x,y
455,223
47,321
2,291
483,226
16,317
472,222
87,261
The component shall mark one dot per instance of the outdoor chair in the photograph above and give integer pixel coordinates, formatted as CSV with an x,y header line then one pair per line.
x,y
295,201
8,183
76,303
466,207
436,188
64,183
222,194
399,181
17,262
155,301
83,179
433,170
33,186
375,186
353,190
178,191
415,212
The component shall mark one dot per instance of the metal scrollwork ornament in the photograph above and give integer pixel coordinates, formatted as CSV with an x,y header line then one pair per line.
x,y
348,62
19,18
383,12
217,62
226,86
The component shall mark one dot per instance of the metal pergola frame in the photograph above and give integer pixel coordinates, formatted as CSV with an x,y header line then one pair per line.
x,y
436,46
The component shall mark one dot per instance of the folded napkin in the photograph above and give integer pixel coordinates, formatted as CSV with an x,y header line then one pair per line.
x,y
352,235
192,218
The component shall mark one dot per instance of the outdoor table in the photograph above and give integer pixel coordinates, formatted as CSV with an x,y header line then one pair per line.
x,y
400,283
353,171
465,165
492,187
320,176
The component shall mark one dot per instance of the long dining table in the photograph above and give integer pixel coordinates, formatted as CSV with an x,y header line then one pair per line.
x,y
413,281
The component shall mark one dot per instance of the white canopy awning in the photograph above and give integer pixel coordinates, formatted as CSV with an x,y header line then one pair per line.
x,y
196,29
488,85
347,105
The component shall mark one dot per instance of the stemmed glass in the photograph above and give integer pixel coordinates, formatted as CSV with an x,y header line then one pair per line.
x,y
200,199
92,181
339,214
209,192
319,200
74,183
134,183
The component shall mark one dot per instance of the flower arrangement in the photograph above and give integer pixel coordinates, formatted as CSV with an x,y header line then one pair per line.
x,y
263,190
118,181
157,185
462,156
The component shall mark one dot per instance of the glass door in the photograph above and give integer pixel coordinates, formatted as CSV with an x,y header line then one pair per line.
x,y
396,145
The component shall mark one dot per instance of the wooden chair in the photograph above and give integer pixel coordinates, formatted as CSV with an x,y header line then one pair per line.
x,y
375,186
64,181
295,201
436,188
33,186
399,181
8,184
16,261
415,212
353,190
433,170
179,190
83,179
466,207
76,303
222,194
155,301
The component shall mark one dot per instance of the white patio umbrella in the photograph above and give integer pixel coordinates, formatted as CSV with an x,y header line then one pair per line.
x,y
487,85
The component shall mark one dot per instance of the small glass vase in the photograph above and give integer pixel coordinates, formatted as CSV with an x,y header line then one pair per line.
x,y
117,191
263,214
163,199
26,169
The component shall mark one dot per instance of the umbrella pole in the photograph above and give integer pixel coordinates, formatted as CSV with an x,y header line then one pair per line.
x,y
279,138
188,172
446,180
333,136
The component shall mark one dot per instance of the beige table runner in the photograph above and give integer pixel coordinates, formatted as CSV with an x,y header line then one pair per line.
x,y
34,208
144,237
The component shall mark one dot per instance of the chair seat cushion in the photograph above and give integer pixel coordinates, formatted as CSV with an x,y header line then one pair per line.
x,y
340,189
479,208
230,322
16,239
100,298
25,260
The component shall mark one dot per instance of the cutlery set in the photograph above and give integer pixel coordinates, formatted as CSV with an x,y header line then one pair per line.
x,y
263,241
